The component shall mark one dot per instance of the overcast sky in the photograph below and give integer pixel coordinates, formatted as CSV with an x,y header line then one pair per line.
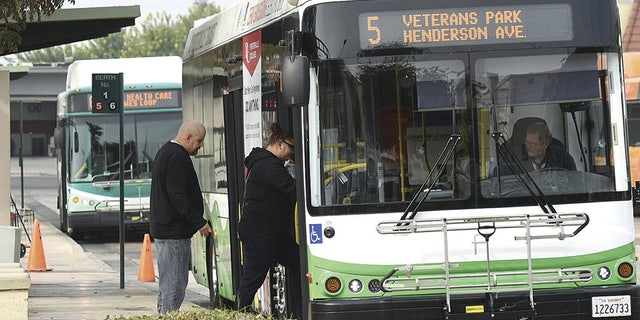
x,y
172,7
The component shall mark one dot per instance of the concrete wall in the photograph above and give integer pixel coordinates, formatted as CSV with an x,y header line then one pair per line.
x,y
14,292
5,149
10,244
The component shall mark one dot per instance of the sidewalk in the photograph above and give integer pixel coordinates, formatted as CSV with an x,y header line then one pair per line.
x,y
81,286
33,166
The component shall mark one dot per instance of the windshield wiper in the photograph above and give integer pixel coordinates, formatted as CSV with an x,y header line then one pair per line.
x,y
432,178
517,169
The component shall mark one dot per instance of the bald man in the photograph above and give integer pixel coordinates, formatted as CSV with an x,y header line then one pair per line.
x,y
176,212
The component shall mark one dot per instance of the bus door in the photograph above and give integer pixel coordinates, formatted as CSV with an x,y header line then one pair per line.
x,y
233,119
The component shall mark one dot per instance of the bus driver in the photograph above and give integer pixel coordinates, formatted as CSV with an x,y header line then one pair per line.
x,y
540,151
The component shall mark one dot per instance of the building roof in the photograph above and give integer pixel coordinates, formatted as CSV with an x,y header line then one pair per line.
x,y
624,9
39,83
77,24
631,38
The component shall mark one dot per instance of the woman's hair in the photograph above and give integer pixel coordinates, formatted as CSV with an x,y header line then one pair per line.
x,y
277,134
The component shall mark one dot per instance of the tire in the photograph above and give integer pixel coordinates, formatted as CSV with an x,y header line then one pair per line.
x,y
63,213
63,223
279,299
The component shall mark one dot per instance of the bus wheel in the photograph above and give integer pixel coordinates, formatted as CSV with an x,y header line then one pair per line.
x,y
214,292
63,221
75,234
279,292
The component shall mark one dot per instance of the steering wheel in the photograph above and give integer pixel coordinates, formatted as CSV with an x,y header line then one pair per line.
x,y
554,180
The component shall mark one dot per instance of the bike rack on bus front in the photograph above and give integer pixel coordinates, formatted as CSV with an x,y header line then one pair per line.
x,y
496,282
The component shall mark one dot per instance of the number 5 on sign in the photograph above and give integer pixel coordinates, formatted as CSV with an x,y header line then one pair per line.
x,y
373,28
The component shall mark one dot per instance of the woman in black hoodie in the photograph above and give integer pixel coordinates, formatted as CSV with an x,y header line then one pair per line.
x,y
267,218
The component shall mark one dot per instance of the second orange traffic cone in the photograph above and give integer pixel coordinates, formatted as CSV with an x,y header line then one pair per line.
x,y
146,271
37,261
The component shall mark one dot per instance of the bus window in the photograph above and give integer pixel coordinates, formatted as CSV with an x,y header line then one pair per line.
x,y
98,156
560,92
410,110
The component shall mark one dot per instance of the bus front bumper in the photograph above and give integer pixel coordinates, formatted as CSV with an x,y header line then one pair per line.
x,y
107,219
553,304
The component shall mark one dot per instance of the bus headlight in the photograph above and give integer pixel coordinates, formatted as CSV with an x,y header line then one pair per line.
x,y
355,286
625,270
75,199
604,273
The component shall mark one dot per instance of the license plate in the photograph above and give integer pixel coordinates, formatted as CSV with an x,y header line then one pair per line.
x,y
610,306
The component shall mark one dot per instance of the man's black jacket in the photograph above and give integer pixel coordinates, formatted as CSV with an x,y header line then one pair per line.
x,y
176,198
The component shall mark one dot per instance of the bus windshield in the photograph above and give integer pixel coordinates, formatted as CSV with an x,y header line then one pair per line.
x,y
409,121
375,104
94,145
561,95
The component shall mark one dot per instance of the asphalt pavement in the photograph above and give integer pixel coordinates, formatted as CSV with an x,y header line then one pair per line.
x,y
81,285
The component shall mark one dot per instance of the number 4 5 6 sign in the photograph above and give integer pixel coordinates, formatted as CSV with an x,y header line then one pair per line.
x,y
106,92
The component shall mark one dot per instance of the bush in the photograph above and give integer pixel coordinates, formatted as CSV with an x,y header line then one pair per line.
x,y
216,314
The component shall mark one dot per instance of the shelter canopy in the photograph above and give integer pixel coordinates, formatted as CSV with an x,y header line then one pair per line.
x,y
77,24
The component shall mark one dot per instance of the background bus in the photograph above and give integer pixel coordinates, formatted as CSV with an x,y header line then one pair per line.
x,y
632,91
88,143
410,121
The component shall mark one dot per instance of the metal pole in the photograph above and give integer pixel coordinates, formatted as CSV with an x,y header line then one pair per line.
x,y
121,160
20,162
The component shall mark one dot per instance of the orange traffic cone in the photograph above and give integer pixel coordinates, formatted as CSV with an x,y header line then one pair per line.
x,y
37,261
146,271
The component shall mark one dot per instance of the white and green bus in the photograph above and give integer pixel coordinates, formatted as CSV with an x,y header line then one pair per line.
x,y
88,143
411,123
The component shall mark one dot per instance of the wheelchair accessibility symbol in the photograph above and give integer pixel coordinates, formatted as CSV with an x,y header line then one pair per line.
x,y
315,233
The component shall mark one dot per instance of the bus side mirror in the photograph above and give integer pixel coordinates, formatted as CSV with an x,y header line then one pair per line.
x,y
295,81
58,137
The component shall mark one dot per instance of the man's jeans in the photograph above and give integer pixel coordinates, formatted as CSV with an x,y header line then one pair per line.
x,y
173,271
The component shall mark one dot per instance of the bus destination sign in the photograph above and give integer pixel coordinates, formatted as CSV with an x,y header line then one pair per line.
x,y
466,26
139,99
151,99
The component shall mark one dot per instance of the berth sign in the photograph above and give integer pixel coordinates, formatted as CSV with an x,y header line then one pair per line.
x,y
106,92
